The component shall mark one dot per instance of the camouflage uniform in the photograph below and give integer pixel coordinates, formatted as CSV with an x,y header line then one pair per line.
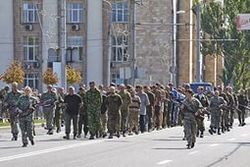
x,y
83,117
150,110
48,100
126,98
114,102
3,94
215,107
58,112
134,109
233,109
201,115
230,110
104,115
158,113
11,102
190,108
224,114
26,108
243,102
94,102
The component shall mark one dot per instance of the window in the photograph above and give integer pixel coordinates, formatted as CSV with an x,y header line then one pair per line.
x,y
30,49
29,13
31,80
74,48
74,13
120,12
116,78
120,48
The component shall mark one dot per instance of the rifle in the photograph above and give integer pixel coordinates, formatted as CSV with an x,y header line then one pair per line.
x,y
229,108
246,107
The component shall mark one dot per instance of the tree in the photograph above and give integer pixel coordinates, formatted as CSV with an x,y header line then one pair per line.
x,y
14,73
49,77
219,22
73,75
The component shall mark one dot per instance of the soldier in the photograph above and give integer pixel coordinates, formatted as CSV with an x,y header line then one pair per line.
x,y
83,117
25,107
243,102
158,112
114,103
104,115
59,109
230,109
150,108
134,109
73,103
201,115
94,102
48,100
234,106
190,107
225,112
3,94
10,103
126,98
143,107
215,106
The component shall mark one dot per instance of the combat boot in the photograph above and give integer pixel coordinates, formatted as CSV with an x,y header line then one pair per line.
x,y
111,136
118,134
91,137
197,133
218,132
202,134
24,145
32,142
66,137
192,145
210,131
124,134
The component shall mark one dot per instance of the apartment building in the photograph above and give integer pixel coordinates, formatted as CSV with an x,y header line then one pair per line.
x,y
39,33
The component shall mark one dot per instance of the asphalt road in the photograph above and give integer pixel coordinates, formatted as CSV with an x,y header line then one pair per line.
x,y
155,149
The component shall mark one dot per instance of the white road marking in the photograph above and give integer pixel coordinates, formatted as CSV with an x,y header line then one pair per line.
x,y
164,162
244,135
232,139
214,145
193,152
50,150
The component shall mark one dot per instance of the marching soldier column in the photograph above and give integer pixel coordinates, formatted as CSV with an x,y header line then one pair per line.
x,y
116,110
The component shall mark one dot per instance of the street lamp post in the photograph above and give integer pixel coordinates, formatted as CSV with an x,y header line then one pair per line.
x,y
110,43
198,47
63,42
132,40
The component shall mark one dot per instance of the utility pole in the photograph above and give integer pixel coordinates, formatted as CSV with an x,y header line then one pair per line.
x,y
132,40
62,41
174,27
198,46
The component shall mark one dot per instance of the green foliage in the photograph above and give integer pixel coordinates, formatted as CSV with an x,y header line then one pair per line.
x,y
14,73
49,77
219,22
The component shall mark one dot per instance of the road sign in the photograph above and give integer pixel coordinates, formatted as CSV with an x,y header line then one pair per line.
x,y
243,22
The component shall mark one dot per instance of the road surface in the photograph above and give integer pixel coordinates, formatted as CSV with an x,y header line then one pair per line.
x,y
156,149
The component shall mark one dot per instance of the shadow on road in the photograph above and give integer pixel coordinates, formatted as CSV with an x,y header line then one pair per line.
x,y
236,143
167,139
10,147
170,148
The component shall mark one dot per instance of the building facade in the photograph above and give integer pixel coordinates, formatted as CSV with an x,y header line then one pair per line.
x,y
116,41
42,32
154,41
6,36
